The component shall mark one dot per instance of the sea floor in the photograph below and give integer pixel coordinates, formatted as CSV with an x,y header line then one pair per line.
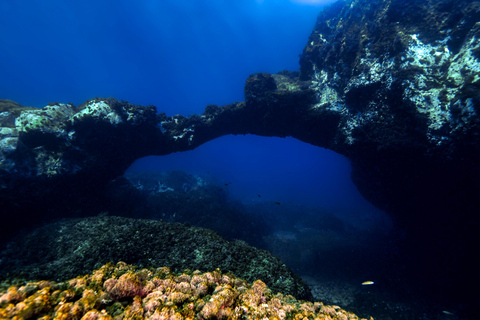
x,y
373,303
334,260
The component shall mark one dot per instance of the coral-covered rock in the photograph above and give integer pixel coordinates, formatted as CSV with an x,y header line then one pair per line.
x,y
61,250
12,296
220,303
128,285
225,301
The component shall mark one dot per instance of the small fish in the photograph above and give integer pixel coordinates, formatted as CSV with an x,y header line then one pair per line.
x,y
448,312
367,283
259,195
276,202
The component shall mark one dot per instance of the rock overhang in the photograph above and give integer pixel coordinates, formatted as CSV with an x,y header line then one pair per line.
x,y
393,85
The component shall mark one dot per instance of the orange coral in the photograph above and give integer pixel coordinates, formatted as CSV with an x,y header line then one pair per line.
x,y
121,292
128,285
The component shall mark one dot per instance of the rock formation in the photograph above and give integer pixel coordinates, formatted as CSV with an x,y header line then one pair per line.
x,y
61,250
124,292
391,84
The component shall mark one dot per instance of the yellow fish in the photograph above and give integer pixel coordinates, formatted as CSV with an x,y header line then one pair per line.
x,y
367,283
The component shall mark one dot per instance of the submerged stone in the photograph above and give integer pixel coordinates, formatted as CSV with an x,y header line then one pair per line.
x,y
61,250
126,292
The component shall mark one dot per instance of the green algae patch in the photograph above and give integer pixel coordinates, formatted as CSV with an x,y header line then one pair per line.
x,y
123,291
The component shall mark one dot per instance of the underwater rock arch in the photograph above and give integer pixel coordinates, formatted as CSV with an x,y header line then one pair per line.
x,y
399,97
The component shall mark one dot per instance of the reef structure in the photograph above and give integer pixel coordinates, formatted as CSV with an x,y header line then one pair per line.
x,y
125,292
391,84
64,249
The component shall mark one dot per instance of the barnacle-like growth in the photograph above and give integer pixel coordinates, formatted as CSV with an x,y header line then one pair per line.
x,y
123,292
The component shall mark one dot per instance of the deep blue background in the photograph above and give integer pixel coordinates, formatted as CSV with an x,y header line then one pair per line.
x,y
179,56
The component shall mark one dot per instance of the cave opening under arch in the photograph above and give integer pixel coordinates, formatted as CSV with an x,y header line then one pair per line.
x,y
292,198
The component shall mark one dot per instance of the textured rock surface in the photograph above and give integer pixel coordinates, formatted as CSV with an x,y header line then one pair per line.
x,y
391,84
61,250
124,292
403,78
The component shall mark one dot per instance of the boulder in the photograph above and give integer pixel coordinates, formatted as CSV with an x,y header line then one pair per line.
x,y
60,250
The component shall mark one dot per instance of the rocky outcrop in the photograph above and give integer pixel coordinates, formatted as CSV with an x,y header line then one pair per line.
x,y
125,292
58,159
403,77
77,246
391,84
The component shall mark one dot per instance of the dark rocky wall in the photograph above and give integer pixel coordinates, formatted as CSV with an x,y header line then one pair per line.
x,y
391,84
404,75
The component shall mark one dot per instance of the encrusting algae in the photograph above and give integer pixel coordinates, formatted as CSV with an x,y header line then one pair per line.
x,y
123,292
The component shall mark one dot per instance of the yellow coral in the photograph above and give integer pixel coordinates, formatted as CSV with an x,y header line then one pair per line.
x,y
120,292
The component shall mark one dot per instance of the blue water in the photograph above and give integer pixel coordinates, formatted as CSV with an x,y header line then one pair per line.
x,y
177,55
180,57
257,169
